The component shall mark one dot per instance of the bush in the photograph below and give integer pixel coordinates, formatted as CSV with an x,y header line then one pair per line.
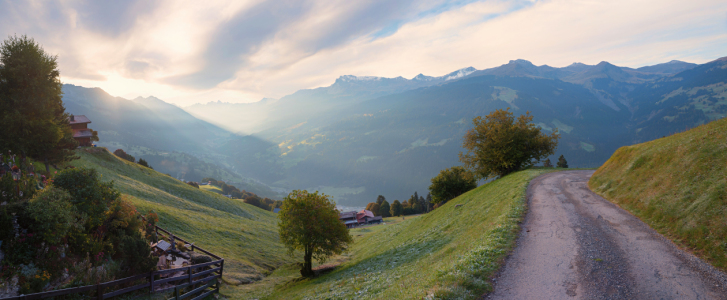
x,y
120,153
450,183
91,196
194,184
53,213
136,254
144,163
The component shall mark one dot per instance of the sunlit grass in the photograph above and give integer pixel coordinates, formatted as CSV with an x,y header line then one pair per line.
x,y
449,253
677,185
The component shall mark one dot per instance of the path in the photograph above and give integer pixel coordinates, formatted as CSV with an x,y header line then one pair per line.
x,y
576,245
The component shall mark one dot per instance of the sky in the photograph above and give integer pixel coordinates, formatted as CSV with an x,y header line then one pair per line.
x,y
187,52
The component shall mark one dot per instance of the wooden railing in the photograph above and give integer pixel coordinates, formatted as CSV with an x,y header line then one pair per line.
x,y
207,281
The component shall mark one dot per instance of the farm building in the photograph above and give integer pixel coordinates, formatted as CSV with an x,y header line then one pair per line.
x,y
81,133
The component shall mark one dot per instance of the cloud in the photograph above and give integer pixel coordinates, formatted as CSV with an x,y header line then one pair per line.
x,y
241,51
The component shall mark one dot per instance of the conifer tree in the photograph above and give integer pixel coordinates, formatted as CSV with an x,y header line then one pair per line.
x,y
396,209
380,199
562,163
547,163
385,209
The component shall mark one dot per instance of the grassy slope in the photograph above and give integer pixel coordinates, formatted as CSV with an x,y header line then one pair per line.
x,y
450,252
677,185
244,235
211,188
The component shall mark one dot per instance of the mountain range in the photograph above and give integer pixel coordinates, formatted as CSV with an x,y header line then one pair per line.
x,y
366,136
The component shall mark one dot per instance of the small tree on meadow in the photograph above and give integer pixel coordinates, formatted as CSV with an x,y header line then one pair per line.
x,y
562,163
498,145
547,163
450,183
385,209
309,223
144,163
396,209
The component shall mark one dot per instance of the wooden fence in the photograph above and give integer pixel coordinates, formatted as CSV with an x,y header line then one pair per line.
x,y
207,281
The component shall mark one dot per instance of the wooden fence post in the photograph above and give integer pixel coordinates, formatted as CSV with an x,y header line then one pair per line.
x,y
176,292
99,292
151,283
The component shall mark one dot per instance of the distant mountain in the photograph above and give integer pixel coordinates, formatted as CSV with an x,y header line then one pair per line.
x,y
367,136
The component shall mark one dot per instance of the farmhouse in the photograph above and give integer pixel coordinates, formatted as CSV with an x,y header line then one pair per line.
x,y
364,217
81,133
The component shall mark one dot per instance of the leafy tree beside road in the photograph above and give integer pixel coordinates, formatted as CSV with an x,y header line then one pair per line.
x,y
499,145
309,223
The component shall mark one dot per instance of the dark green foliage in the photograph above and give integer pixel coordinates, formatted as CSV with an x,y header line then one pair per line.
x,y
54,214
136,254
374,208
91,196
451,183
144,163
562,163
396,209
200,259
194,184
380,199
385,209
122,154
309,223
498,145
32,118
547,163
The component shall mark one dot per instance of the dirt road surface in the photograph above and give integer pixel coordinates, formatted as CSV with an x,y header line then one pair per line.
x,y
576,245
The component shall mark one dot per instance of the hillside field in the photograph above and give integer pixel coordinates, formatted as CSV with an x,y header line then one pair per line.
x,y
449,253
244,235
677,185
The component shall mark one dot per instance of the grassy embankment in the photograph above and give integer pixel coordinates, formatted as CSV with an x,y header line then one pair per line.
x,y
211,188
677,185
449,253
244,235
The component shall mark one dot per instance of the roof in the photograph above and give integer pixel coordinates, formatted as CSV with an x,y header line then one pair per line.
x,y
377,218
351,222
82,133
365,213
163,245
346,215
79,119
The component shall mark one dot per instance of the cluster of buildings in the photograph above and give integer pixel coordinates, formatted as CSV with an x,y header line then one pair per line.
x,y
354,219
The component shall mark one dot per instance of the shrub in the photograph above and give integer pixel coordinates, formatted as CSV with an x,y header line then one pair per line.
x,y
91,196
120,153
194,184
136,254
450,183
144,163
53,213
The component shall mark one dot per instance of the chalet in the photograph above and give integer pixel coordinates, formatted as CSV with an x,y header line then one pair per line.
x,y
81,133
364,217
348,218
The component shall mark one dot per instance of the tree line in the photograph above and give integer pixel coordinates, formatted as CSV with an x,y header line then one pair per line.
x,y
415,205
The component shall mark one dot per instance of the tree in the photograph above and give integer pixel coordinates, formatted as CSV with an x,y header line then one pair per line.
x,y
385,209
380,199
374,208
547,163
122,154
562,163
429,202
90,195
144,163
497,145
396,209
309,223
33,119
451,183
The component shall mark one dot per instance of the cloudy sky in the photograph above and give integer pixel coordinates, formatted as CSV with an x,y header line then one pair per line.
x,y
241,51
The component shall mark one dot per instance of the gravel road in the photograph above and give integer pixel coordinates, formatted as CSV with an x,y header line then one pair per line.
x,y
576,245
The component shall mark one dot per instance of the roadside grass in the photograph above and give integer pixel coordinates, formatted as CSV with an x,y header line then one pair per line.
x,y
677,185
244,235
450,253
